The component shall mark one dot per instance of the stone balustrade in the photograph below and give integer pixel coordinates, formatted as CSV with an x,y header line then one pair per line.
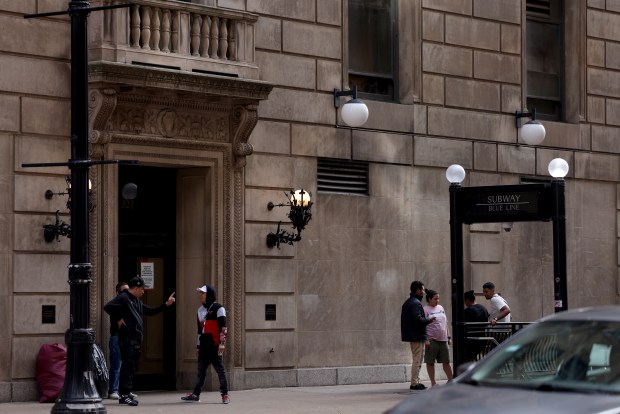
x,y
175,35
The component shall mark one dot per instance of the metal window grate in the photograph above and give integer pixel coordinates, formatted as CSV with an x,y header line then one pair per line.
x,y
538,8
342,176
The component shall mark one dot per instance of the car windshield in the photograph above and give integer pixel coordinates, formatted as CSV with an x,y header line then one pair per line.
x,y
581,356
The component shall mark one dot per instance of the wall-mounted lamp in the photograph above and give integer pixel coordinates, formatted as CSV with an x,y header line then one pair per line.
x,y
354,113
54,231
49,194
299,215
532,132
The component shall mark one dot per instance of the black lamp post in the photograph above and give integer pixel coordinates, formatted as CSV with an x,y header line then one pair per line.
x,y
455,175
560,288
456,257
79,393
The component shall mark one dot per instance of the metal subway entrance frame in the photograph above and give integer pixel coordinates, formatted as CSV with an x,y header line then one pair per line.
x,y
497,204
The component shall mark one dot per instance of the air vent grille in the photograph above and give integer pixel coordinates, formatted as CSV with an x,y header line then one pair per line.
x,y
342,176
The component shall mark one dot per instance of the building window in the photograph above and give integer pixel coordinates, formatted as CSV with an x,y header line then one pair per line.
x,y
545,58
373,48
338,176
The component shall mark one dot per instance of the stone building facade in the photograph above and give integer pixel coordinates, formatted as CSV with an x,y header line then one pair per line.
x,y
228,104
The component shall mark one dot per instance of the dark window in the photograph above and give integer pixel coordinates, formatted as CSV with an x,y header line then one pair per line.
x,y
342,176
373,46
545,53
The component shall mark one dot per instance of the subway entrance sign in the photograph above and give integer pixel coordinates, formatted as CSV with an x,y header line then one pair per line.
x,y
505,203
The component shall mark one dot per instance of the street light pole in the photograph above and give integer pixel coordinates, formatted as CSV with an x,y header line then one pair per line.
x,y
456,256
560,289
79,393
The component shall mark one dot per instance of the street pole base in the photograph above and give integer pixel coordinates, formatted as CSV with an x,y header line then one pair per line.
x,y
79,406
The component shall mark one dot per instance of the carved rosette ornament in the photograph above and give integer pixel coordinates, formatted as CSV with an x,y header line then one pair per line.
x,y
101,105
245,118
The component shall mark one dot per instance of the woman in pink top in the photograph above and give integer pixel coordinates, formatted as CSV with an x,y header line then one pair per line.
x,y
438,337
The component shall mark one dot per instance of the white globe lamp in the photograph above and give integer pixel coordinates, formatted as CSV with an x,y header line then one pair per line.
x,y
455,174
558,168
533,132
354,113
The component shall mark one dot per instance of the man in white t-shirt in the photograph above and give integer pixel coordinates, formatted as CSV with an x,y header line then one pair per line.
x,y
499,311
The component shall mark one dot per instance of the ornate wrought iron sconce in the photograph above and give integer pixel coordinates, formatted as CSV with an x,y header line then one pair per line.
x,y
60,228
54,231
49,194
299,215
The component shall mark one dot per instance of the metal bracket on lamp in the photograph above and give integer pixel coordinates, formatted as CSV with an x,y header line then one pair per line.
x,y
49,194
299,215
54,231
532,132
354,113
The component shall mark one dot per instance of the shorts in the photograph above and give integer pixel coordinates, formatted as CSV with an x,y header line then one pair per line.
x,y
438,351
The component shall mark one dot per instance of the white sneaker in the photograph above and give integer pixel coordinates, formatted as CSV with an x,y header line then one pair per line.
x,y
113,396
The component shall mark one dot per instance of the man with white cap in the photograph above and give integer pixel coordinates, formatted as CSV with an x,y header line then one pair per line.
x,y
211,321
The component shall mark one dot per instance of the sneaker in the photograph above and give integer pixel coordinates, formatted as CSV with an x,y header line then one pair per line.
x,y
113,396
132,395
225,399
418,387
191,397
126,399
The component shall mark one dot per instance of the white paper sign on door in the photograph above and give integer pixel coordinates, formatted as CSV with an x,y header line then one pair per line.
x,y
147,272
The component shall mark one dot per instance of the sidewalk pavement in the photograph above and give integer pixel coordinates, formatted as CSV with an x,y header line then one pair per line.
x,y
340,399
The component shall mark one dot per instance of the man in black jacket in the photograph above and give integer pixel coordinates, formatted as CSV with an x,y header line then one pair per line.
x,y
413,330
127,309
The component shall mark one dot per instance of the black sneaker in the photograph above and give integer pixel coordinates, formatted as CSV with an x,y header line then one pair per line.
x,y
126,399
417,387
191,397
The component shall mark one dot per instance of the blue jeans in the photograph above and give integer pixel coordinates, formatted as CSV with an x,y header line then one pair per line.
x,y
115,364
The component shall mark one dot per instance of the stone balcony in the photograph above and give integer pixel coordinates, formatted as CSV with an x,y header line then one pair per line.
x,y
169,34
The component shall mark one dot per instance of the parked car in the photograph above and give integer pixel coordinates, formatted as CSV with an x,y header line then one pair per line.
x,y
565,363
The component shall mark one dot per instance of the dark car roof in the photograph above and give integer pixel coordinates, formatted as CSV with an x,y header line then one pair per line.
x,y
599,313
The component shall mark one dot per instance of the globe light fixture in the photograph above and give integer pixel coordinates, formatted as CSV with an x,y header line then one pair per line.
x,y
455,174
558,168
354,113
532,132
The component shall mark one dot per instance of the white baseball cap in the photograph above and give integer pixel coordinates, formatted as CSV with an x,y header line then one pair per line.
x,y
202,289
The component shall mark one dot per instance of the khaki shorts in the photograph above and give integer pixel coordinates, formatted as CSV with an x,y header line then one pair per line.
x,y
437,352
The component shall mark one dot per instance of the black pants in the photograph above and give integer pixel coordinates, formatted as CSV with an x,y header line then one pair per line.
x,y
130,355
207,356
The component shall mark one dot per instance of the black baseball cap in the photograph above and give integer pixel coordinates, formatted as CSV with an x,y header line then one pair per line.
x,y
136,281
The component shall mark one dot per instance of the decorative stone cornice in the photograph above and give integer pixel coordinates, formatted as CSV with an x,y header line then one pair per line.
x,y
159,78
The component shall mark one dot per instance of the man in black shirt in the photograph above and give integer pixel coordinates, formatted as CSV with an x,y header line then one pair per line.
x,y
127,309
474,312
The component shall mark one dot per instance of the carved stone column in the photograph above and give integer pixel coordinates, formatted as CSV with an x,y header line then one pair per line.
x,y
244,120
101,104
